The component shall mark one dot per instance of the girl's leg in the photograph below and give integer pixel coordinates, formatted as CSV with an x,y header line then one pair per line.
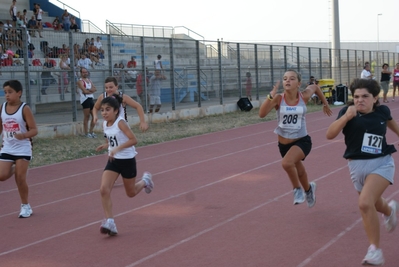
x,y
370,202
393,94
302,175
132,187
107,182
21,170
290,163
6,170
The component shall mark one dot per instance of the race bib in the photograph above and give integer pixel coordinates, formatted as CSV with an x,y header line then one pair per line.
x,y
372,143
291,117
112,141
10,129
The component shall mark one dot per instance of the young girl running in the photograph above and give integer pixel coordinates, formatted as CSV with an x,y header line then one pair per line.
x,y
121,161
17,126
293,140
364,124
111,88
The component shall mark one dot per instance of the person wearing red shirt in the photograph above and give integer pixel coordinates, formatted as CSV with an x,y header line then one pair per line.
x,y
132,63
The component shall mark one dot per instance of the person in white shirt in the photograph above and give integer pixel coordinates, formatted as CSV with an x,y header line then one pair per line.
x,y
99,46
120,142
85,62
366,74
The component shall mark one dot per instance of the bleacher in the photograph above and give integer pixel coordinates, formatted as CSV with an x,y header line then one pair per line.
x,y
218,68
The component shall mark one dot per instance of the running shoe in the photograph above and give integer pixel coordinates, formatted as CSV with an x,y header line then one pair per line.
x,y
108,226
26,211
93,135
89,135
392,220
299,196
374,256
311,195
149,184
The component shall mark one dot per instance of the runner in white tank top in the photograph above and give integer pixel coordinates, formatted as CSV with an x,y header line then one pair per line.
x,y
121,160
17,126
293,141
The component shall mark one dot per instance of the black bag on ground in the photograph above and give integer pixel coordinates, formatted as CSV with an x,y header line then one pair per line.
x,y
244,104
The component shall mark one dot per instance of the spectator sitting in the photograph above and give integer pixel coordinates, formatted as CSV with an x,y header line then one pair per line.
x,y
77,51
99,46
9,60
93,52
25,17
132,63
56,24
64,50
47,51
85,46
32,26
74,26
85,62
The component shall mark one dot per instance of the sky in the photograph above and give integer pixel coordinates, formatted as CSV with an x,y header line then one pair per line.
x,y
254,20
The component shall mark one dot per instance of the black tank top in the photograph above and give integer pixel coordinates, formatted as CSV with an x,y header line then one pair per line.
x,y
385,77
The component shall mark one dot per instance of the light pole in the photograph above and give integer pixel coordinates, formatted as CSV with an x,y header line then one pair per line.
x,y
378,32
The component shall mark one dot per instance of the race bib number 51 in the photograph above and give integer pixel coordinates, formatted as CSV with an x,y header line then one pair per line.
x,y
372,143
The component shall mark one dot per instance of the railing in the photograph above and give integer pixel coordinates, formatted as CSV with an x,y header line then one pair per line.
x,y
63,5
88,26
113,29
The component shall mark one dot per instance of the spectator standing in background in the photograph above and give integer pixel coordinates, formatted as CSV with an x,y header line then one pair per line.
x,y
141,92
155,90
384,81
13,12
248,86
366,74
66,20
158,63
39,17
46,75
395,80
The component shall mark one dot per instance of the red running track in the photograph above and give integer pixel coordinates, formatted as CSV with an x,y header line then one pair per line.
x,y
220,199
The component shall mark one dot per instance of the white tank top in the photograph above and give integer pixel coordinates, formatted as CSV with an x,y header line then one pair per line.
x,y
83,97
116,137
12,124
291,119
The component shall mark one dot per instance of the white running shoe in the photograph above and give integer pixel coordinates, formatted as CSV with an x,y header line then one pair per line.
x,y
26,211
392,220
149,184
373,257
299,196
108,226
93,135
311,195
